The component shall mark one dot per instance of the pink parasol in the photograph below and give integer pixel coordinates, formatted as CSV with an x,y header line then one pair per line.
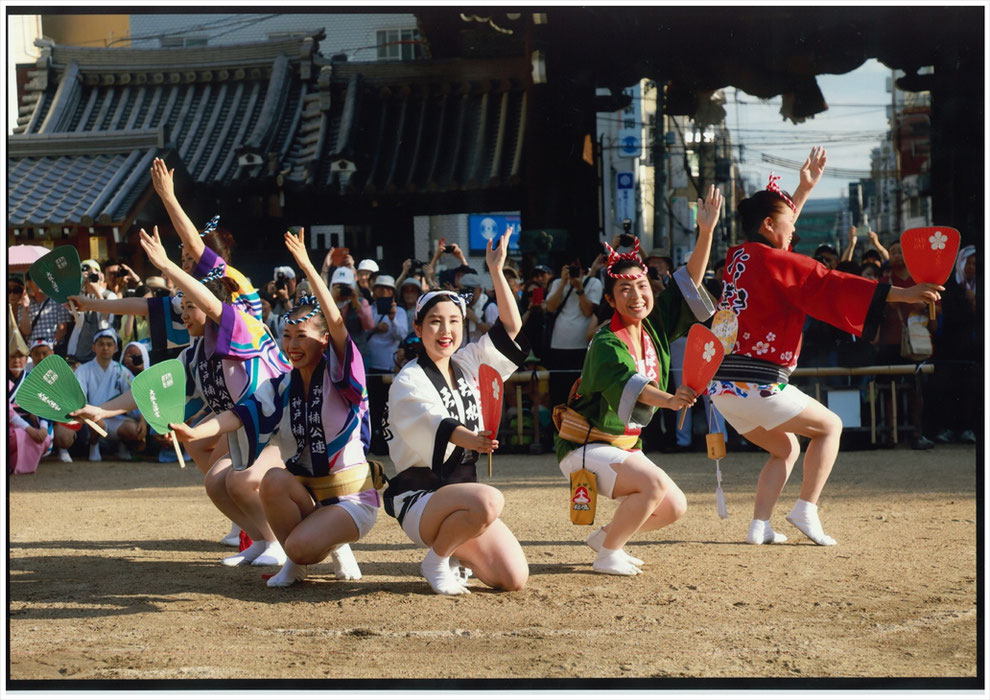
x,y
20,257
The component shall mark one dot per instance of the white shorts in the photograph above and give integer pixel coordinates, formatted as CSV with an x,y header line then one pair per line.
x,y
752,412
599,460
410,521
112,425
362,514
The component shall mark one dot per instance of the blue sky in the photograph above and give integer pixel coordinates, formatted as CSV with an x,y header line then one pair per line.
x,y
854,123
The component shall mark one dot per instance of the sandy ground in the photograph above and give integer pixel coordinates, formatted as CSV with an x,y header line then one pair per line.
x,y
114,574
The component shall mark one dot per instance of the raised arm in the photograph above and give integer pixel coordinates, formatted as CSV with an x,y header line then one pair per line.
x,y
335,322
508,310
189,285
162,180
875,241
811,173
709,209
847,254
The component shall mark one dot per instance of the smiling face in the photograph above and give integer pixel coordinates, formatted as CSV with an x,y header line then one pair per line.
x,y
304,343
633,299
193,317
441,330
778,228
188,261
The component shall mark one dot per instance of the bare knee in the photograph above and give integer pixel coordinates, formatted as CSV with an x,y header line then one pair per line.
x,y
241,484
487,504
676,503
299,551
215,482
515,579
273,485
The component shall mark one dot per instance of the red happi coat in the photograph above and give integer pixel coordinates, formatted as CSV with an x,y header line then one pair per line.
x,y
771,290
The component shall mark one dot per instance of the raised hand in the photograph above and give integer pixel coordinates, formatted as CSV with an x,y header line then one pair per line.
x,y
297,247
162,179
495,256
709,209
154,249
814,166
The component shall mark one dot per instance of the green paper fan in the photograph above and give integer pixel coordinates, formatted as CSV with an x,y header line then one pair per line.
x,y
51,391
58,273
160,394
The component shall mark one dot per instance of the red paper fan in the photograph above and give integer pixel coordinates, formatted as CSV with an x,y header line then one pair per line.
x,y
930,252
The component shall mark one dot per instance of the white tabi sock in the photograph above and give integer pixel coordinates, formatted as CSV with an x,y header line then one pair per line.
x,y
247,556
437,571
760,532
596,540
289,574
273,555
94,453
345,566
461,573
804,516
614,561
63,455
232,538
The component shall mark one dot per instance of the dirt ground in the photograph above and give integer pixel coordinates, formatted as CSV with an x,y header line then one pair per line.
x,y
114,574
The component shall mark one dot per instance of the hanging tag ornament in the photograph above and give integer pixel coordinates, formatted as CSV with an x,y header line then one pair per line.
x,y
930,255
584,497
725,327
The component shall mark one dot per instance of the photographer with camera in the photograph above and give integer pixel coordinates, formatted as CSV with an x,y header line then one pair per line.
x,y
383,341
120,278
89,323
355,310
454,250
573,298
366,270
415,271
282,288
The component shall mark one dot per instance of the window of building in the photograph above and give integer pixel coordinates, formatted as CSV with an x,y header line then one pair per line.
x,y
283,36
399,45
179,42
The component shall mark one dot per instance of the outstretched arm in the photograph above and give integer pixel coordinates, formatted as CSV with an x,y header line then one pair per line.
x,y
226,422
709,209
162,179
114,407
508,310
811,173
133,306
189,285
335,322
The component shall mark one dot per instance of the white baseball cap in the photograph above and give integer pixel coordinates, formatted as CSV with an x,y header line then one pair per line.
x,y
368,264
385,281
343,275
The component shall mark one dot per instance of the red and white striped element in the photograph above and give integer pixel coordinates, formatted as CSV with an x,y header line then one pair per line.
x,y
772,186
614,257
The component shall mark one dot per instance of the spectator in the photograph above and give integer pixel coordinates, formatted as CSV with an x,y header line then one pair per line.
x,y
365,269
534,313
103,379
282,288
28,438
573,298
958,345
474,316
889,341
409,292
490,312
89,323
120,278
39,316
353,307
417,272
383,341
135,327
827,256
870,270
135,357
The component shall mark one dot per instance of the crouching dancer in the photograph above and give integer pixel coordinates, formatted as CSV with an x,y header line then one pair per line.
x,y
434,431
325,496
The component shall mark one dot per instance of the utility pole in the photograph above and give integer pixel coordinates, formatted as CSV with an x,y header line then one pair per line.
x,y
661,239
895,132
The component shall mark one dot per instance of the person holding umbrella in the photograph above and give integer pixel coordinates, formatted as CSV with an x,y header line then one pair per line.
x,y
622,383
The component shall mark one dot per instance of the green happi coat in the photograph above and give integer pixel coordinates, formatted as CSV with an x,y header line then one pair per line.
x,y
611,383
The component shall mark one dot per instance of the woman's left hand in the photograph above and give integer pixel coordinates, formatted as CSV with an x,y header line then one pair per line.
x,y
495,255
709,209
814,166
154,249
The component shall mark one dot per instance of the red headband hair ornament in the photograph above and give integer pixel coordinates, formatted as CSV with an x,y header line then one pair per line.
x,y
772,186
614,257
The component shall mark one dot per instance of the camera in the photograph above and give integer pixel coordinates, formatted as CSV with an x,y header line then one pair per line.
x,y
161,293
654,273
448,249
574,270
627,240
280,282
416,267
627,225
93,277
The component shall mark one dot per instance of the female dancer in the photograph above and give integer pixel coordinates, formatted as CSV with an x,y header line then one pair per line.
x,y
770,290
434,431
325,497
228,363
623,382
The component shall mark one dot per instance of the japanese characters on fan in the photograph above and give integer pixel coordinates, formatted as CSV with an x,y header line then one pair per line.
x,y
770,290
623,382
435,432
315,489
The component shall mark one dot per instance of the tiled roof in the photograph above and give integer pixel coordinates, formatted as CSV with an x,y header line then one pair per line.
x,y
274,113
72,158
408,127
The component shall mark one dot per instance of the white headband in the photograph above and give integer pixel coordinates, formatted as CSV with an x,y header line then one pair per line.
x,y
427,300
